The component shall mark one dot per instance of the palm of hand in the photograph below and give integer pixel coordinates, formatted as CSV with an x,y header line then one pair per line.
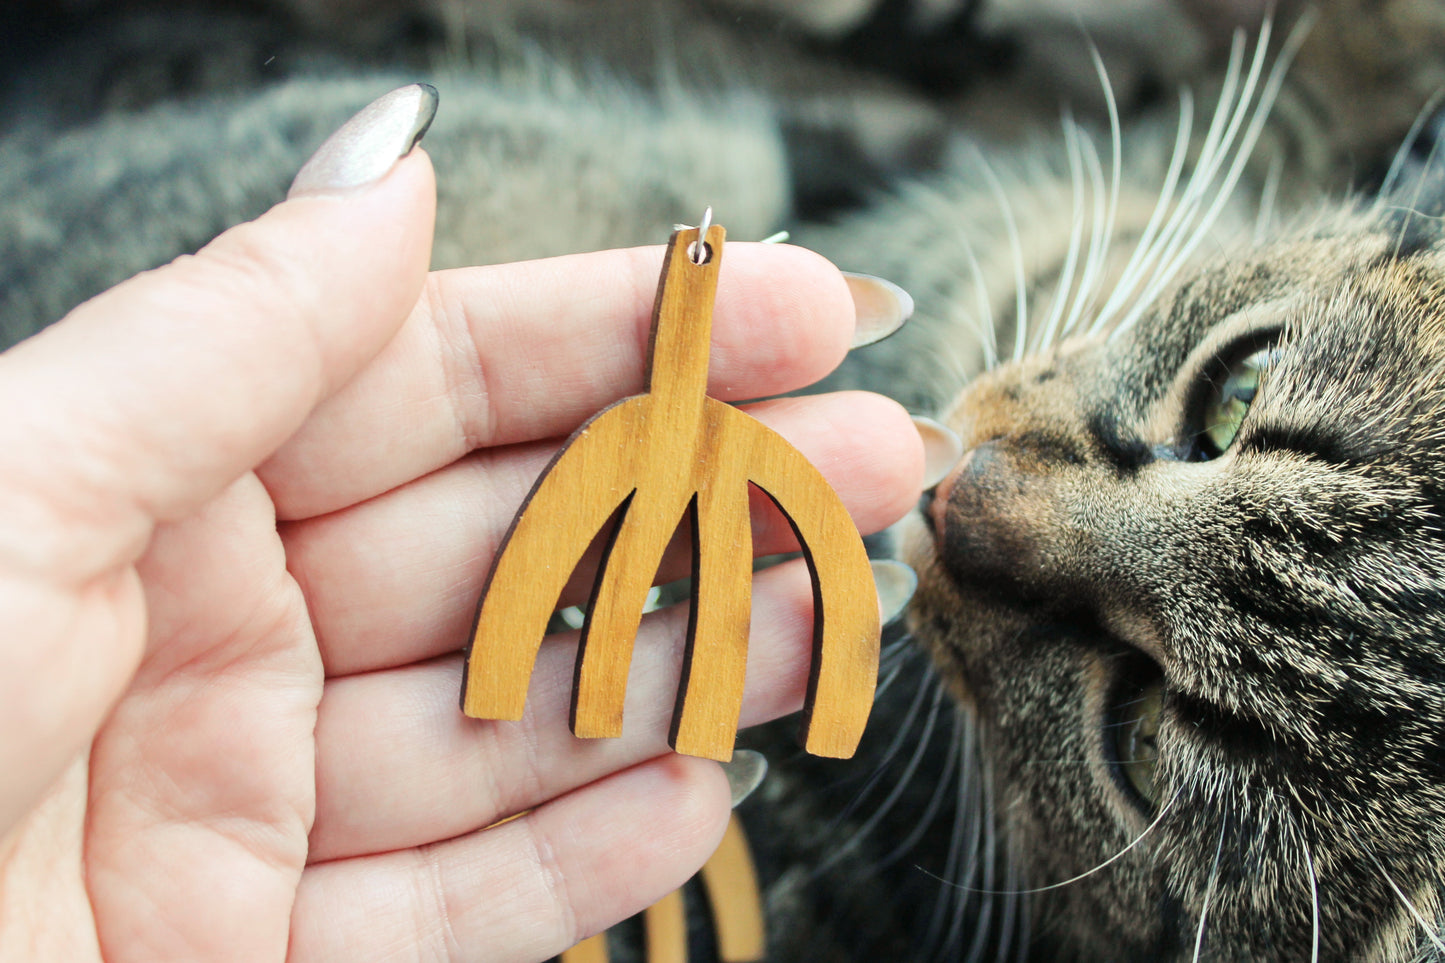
x,y
224,737
184,833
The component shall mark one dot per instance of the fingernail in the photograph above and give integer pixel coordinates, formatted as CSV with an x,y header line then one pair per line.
x,y
367,146
881,307
745,772
896,584
941,450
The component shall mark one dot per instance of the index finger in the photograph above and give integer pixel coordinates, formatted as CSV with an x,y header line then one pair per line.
x,y
519,352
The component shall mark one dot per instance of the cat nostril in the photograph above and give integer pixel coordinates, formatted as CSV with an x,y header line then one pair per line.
x,y
930,506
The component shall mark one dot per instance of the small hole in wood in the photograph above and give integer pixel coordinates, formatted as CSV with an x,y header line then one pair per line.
x,y
706,253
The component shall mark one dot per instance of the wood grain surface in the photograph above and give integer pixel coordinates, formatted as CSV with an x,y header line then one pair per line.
x,y
652,460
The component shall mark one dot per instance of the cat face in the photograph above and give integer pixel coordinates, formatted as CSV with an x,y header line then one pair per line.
x,y
1190,581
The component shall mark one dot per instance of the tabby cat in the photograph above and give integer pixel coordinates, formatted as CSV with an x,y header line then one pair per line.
x,y
1181,595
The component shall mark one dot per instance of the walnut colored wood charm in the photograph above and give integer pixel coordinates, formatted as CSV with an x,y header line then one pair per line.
x,y
657,456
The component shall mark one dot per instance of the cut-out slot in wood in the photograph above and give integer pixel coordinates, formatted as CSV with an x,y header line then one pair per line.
x,y
659,456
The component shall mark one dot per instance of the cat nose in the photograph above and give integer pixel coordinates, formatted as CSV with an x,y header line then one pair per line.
x,y
979,465
991,517
938,495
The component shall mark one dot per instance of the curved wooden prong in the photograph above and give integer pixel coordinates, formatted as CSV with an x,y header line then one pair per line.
x,y
591,950
665,925
731,881
568,505
599,686
846,622
714,665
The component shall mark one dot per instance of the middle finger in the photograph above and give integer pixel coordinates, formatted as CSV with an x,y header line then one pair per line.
x,y
513,353
416,599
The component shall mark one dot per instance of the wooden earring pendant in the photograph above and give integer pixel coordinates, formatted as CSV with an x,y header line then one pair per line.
x,y
650,459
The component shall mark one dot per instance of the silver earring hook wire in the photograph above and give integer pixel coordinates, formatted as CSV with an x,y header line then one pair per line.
x,y
699,252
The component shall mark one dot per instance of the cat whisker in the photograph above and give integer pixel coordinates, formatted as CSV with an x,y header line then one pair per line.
x,y
1076,234
1181,207
1208,896
1405,901
1228,143
1135,268
1005,911
990,853
1268,193
1021,298
909,771
1397,163
905,728
950,904
1258,118
952,760
971,845
1224,127
1116,147
1415,198
1106,202
1060,761
1164,811
987,325
1314,906
1241,153
1095,171
1025,923
938,943
981,327
899,786
1010,910
962,369
1077,299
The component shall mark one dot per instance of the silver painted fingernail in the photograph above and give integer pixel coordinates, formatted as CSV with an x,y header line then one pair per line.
x,y
941,450
367,146
881,307
745,772
896,584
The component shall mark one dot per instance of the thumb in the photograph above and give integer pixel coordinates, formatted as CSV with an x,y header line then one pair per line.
x,y
152,397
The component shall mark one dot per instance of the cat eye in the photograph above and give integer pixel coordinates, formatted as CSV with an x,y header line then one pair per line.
x,y
1134,731
1229,398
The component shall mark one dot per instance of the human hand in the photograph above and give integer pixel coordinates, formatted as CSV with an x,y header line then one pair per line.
x,y
249,499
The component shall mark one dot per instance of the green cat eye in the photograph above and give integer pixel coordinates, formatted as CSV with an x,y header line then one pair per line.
x,y
1229,400
1136,739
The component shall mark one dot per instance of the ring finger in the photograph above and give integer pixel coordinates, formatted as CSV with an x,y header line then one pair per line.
x,y
398,765
373,610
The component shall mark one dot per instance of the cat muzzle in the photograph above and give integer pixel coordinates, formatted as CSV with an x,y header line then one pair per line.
x,y
993,517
